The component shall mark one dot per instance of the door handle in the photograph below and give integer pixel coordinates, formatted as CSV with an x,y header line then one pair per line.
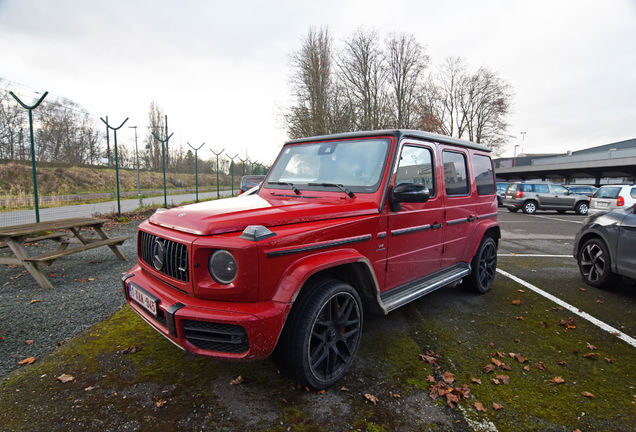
x,y
472,218
436,226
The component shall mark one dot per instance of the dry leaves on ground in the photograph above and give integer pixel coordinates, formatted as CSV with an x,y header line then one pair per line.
x,y
371,398
27,361
64,378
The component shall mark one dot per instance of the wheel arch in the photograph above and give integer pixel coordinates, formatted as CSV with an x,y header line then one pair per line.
x,y
346,265
590,235
491,230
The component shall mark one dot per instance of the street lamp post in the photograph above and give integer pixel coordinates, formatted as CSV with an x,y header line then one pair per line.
x,y
515,156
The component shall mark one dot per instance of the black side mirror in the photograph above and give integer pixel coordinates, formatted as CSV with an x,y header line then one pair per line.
x,y
408,192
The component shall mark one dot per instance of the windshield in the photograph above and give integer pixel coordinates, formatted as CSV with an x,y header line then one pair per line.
x,y
356,164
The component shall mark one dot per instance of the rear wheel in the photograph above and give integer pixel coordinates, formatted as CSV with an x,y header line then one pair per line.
x,y
595,265
529,207
484,266
322,334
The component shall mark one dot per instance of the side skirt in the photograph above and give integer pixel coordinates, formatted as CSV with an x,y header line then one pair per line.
x,y
406,293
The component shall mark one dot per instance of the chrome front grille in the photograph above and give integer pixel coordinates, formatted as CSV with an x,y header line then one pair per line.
x,y
166,256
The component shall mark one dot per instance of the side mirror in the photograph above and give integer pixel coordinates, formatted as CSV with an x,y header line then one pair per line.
x,y
408,192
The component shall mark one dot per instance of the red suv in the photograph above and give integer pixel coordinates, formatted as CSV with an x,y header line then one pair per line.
x,y
342,224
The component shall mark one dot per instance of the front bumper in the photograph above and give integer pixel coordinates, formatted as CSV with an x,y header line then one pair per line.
x,y
229,330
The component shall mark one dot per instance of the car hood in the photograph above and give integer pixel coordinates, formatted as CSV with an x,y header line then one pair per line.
x,y
235,214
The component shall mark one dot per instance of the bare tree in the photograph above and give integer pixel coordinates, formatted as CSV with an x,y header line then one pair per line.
x,y
363,74
14,140
406,62
156,124
469,105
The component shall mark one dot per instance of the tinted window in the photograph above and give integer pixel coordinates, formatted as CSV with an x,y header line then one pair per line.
x,y
525,187
607,192
559,189
484,177
416,166
455,173
541,188
512,188
633,193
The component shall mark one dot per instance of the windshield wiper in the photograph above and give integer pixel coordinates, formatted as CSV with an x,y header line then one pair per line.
x,y
339,186
296,191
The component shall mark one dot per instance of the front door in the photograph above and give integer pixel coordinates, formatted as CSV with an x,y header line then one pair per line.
x,y
414,236
626,251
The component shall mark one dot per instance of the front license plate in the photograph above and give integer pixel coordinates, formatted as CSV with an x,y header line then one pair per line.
x,y
145,300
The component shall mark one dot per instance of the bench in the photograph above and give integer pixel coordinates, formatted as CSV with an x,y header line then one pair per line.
x,y
47,259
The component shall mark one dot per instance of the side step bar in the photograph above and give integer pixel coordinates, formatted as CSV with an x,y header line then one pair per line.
x,y
404,294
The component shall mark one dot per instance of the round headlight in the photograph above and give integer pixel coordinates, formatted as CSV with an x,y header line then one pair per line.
x,y
222,266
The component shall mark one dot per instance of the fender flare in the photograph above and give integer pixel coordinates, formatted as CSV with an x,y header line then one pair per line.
x,y
478,235
299,272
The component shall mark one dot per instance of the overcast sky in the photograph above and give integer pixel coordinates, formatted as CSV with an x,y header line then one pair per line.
x,y
219,69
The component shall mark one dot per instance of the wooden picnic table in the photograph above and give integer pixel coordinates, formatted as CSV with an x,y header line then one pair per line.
x,y
15,237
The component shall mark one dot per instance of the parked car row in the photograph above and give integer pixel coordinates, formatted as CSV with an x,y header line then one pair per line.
x,y
532,196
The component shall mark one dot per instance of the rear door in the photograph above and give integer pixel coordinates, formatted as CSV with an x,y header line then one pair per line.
x,y
563,199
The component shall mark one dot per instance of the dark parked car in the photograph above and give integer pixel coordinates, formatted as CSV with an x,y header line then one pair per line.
x,y
501,191
533,196
250,181
586,190
605,247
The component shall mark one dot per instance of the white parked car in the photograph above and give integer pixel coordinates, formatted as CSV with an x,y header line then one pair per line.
x,y
612,197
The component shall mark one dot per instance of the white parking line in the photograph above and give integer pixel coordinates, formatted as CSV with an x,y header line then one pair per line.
x,y
572,309
557,219
534,255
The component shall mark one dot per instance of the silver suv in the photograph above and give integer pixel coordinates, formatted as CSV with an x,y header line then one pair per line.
x,y
533,196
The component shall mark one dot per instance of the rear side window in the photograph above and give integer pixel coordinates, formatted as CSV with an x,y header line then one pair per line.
x,y
543,188
633,193
455,173
607,192
525,187
484,178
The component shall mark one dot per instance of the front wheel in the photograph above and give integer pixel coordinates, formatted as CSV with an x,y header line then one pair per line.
x,y
484,266
595,265
582,208
322,334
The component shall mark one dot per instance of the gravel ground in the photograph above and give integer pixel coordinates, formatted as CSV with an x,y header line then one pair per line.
x,y
86,290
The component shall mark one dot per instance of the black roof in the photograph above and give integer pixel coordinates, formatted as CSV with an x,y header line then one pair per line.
x,y
398,133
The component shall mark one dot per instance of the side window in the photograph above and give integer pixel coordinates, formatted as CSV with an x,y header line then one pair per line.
x,y
526,187
559,189
633,193
455,173
543,188
484,178
416,166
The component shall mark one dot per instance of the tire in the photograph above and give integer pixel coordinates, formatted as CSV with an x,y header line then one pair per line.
x,y
484,267
513,210
582,208
529,207
595,265
321,336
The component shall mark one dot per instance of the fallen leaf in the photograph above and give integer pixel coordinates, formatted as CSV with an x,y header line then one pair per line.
x,y
160,403
395,395
489,368
131,350
557,380
610,360
545,324
582,289
491,344
35,301
371,398
557,308
462,391
519,318
567,322
504,379
587,394
89,388
496,362
64,378
527,368
451,400
521,291
516,302
505,367
27,361
540,366
479,406
517,340
475,380
562,363
497,406
344,389
590,355
238,380
599,301
534,271
592,347
495,380
430,378
428,359
448,378
28,342
320,392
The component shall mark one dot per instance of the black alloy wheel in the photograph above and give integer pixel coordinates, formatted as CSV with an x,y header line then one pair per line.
x,y
595,265
484,266
322,334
